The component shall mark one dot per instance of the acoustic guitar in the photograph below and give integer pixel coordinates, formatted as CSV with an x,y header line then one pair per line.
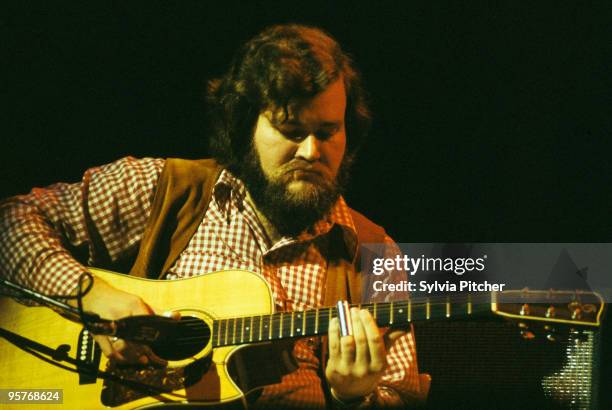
x,y
215,352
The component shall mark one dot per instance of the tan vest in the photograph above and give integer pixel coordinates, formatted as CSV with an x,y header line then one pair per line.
x,y
183,193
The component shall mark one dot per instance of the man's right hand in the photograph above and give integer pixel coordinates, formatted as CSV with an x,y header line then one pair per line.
x,y
111,303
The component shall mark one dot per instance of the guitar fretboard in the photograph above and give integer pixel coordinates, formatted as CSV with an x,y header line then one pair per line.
x,y
315,322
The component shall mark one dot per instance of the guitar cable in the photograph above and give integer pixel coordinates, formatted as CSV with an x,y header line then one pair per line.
x,y
89,320
81,294
56,355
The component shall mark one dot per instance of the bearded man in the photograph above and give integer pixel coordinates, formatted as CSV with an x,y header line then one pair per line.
x,y
288,118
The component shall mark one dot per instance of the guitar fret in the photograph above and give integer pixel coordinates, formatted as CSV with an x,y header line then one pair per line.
x,y
325,314
384,315
310,325
226,330
277,319
438,310
234,331
266,324
292,324
287,324
215,332
299,323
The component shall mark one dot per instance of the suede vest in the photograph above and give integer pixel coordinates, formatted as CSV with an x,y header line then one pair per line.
x,y
181,199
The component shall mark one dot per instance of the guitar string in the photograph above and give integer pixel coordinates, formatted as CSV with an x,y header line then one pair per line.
x,y
275,318
381,306
383,309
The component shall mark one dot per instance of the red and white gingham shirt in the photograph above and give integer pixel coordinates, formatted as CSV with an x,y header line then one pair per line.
x,y
36,231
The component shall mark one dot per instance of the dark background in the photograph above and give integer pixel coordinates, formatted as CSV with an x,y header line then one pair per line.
x,y
492,122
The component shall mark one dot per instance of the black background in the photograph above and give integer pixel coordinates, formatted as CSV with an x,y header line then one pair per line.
x,y
491,122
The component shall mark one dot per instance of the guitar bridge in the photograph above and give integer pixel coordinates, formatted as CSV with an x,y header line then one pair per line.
x,y
89,353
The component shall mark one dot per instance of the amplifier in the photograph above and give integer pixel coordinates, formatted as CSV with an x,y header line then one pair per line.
x,y
492,363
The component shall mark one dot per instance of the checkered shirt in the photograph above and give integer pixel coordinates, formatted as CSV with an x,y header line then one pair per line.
x,y
40,231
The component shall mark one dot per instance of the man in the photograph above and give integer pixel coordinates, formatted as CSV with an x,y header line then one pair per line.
x,y
288,118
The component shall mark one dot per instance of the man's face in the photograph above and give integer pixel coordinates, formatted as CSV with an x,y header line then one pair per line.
x,y
292,168
304,150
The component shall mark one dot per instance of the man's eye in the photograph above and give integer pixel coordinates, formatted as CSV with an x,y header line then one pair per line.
x,y
295,135
300,135
325,135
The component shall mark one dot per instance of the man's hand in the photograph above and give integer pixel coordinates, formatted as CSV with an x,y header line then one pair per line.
x,y
111,303
356,363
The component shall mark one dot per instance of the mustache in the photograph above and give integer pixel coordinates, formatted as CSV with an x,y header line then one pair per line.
x,y
299,165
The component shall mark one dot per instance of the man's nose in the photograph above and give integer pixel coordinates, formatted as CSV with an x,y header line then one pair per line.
x,y
309,148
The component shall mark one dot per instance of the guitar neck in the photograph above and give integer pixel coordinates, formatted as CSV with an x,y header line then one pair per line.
x,y
314,322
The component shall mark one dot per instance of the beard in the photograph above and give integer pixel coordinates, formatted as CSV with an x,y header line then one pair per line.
x,y
292,211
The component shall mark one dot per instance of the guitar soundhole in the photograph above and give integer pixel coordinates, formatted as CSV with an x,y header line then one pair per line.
x,y
187,337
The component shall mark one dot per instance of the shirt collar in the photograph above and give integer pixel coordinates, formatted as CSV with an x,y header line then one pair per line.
x,y
230,190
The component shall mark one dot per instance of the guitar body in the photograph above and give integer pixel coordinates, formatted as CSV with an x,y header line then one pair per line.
x,y
233,311
207,297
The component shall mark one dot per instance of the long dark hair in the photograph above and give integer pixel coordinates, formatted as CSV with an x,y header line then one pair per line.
x,y
281,64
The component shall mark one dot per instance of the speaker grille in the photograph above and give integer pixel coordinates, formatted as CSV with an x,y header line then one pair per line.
x,y
489,364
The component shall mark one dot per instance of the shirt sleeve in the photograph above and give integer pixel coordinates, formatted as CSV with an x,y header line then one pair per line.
x,y
400,384
102,218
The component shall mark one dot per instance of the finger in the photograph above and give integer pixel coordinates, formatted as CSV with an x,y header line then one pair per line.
x,y
142,308
117,349
143,355
173,314
333,335
362,352
376,345
154,359
105,344
347,350
391,336
133,354
118,345
124,352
